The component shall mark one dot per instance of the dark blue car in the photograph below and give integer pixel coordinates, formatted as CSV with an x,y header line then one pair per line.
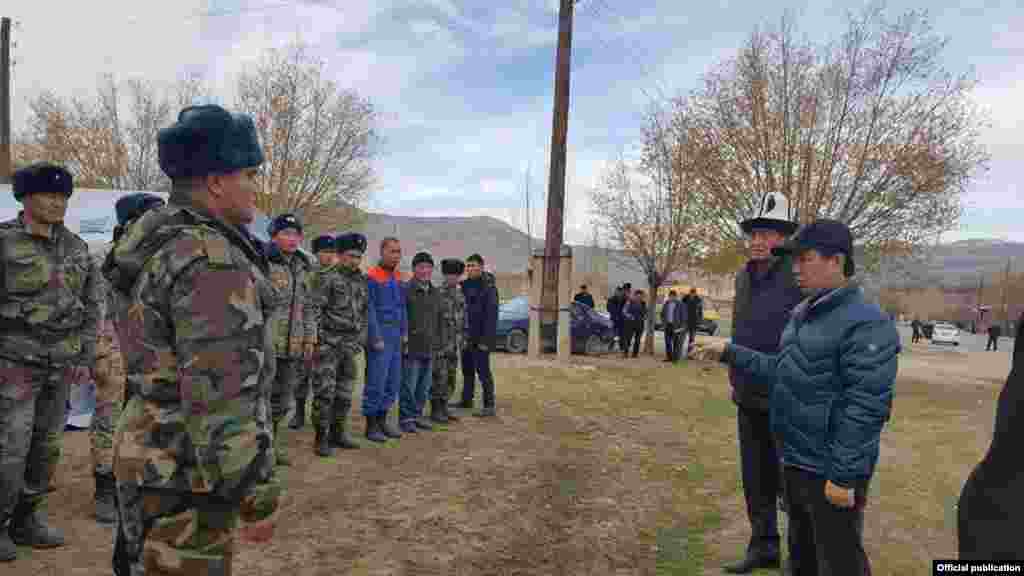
x,y
592,332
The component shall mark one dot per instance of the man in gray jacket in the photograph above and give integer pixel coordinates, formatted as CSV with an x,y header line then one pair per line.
x,y
765,295
673,321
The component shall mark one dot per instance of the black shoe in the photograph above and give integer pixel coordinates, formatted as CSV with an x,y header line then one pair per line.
x,y
448,413
437,412
299,419
322,443
486,412
106,511
373,431
8,550
339,436
408,427
753,561
29,528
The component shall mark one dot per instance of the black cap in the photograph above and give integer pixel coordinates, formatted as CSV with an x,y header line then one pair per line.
x,y
321,243
41,177
422,257
283,222
452,266
826,237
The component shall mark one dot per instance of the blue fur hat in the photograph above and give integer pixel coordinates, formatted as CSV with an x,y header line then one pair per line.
x,y
321,243
208,140
41,177
132,206
283,221
351,241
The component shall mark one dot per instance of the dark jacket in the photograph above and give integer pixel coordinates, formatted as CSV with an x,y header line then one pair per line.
x,y
584,298
679,314
764,301
635,312
694,310
423,317
481,310
831,384
991,510
995,331
615,304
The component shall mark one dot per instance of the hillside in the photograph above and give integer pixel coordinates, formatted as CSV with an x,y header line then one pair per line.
x,y
957,265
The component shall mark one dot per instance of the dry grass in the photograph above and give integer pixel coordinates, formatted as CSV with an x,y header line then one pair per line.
x,y
598,467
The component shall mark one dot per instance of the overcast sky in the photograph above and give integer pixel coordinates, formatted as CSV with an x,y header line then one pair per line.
x,y
465,86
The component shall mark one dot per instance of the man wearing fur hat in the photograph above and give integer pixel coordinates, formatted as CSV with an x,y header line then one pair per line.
x,y
294,323
343,308
452,334
50,309
766,293
423,313
194,446
109,371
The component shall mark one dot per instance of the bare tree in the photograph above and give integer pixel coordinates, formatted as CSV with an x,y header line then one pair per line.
x,y
868,129
647,210
109,141
319,140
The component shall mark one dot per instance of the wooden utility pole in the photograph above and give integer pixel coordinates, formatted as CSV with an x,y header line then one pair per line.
x,y
5,100
1006,311
556,181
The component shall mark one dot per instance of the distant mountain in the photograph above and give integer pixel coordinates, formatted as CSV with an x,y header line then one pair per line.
x,y
956,265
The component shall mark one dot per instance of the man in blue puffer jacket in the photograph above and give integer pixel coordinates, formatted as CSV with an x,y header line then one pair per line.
x,y
832,385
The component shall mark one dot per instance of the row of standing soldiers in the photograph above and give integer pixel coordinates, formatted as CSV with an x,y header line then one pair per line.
x,y
192,335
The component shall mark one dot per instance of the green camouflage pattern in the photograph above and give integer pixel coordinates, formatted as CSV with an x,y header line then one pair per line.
x,y
31,426
194,339
337,370
109,376
444,371
49,297
293,319
341,305
453,314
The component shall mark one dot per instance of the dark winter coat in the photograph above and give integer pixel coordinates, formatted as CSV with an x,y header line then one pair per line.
x,y
481,310
694,310
994,331
615,304
423,317
990,514
634,312
679,314
763,304
831,384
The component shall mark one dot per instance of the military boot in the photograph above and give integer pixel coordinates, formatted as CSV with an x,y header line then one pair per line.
x,y
437,413
373,431
299,419
322,443
448,412
389,429
29,528
339,427
280,456
486,412
106,511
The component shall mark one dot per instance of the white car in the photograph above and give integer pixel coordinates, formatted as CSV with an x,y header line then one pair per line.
x,y
944,332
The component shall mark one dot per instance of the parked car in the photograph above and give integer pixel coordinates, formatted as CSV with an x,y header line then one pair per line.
x,y
945,333
591,331
707,325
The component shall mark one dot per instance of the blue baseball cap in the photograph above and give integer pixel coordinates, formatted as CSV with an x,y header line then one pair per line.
x,y
826,237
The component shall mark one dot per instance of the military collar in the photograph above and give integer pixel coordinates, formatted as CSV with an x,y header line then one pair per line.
x,y
56,230
235,235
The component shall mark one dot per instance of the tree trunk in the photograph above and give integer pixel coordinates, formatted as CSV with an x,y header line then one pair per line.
x,y
652,301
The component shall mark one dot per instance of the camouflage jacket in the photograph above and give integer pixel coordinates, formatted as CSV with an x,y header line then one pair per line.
x,y
293,320
453,314
108,342
343,307
195,343
49,297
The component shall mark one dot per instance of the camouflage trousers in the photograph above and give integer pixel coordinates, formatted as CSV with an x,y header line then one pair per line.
x,y
167,532
282,393
110,382
445,369
32,403
335,376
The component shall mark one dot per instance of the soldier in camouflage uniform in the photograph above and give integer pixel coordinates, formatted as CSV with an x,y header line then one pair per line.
x,y
344,314
446,361
109,373
49,314
293,319
194,442
323,249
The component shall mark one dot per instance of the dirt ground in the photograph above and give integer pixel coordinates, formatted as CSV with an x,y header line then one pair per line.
x,y
596,467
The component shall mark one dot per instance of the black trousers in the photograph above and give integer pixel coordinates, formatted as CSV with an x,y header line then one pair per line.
x,y
826,540
671,343
993,344
762,480
634,332
620,332
476,362
916,336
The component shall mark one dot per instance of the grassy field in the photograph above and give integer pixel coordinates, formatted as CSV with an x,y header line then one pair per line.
x,y
598,467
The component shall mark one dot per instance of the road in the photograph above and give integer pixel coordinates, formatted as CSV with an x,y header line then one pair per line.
x,y
968,342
